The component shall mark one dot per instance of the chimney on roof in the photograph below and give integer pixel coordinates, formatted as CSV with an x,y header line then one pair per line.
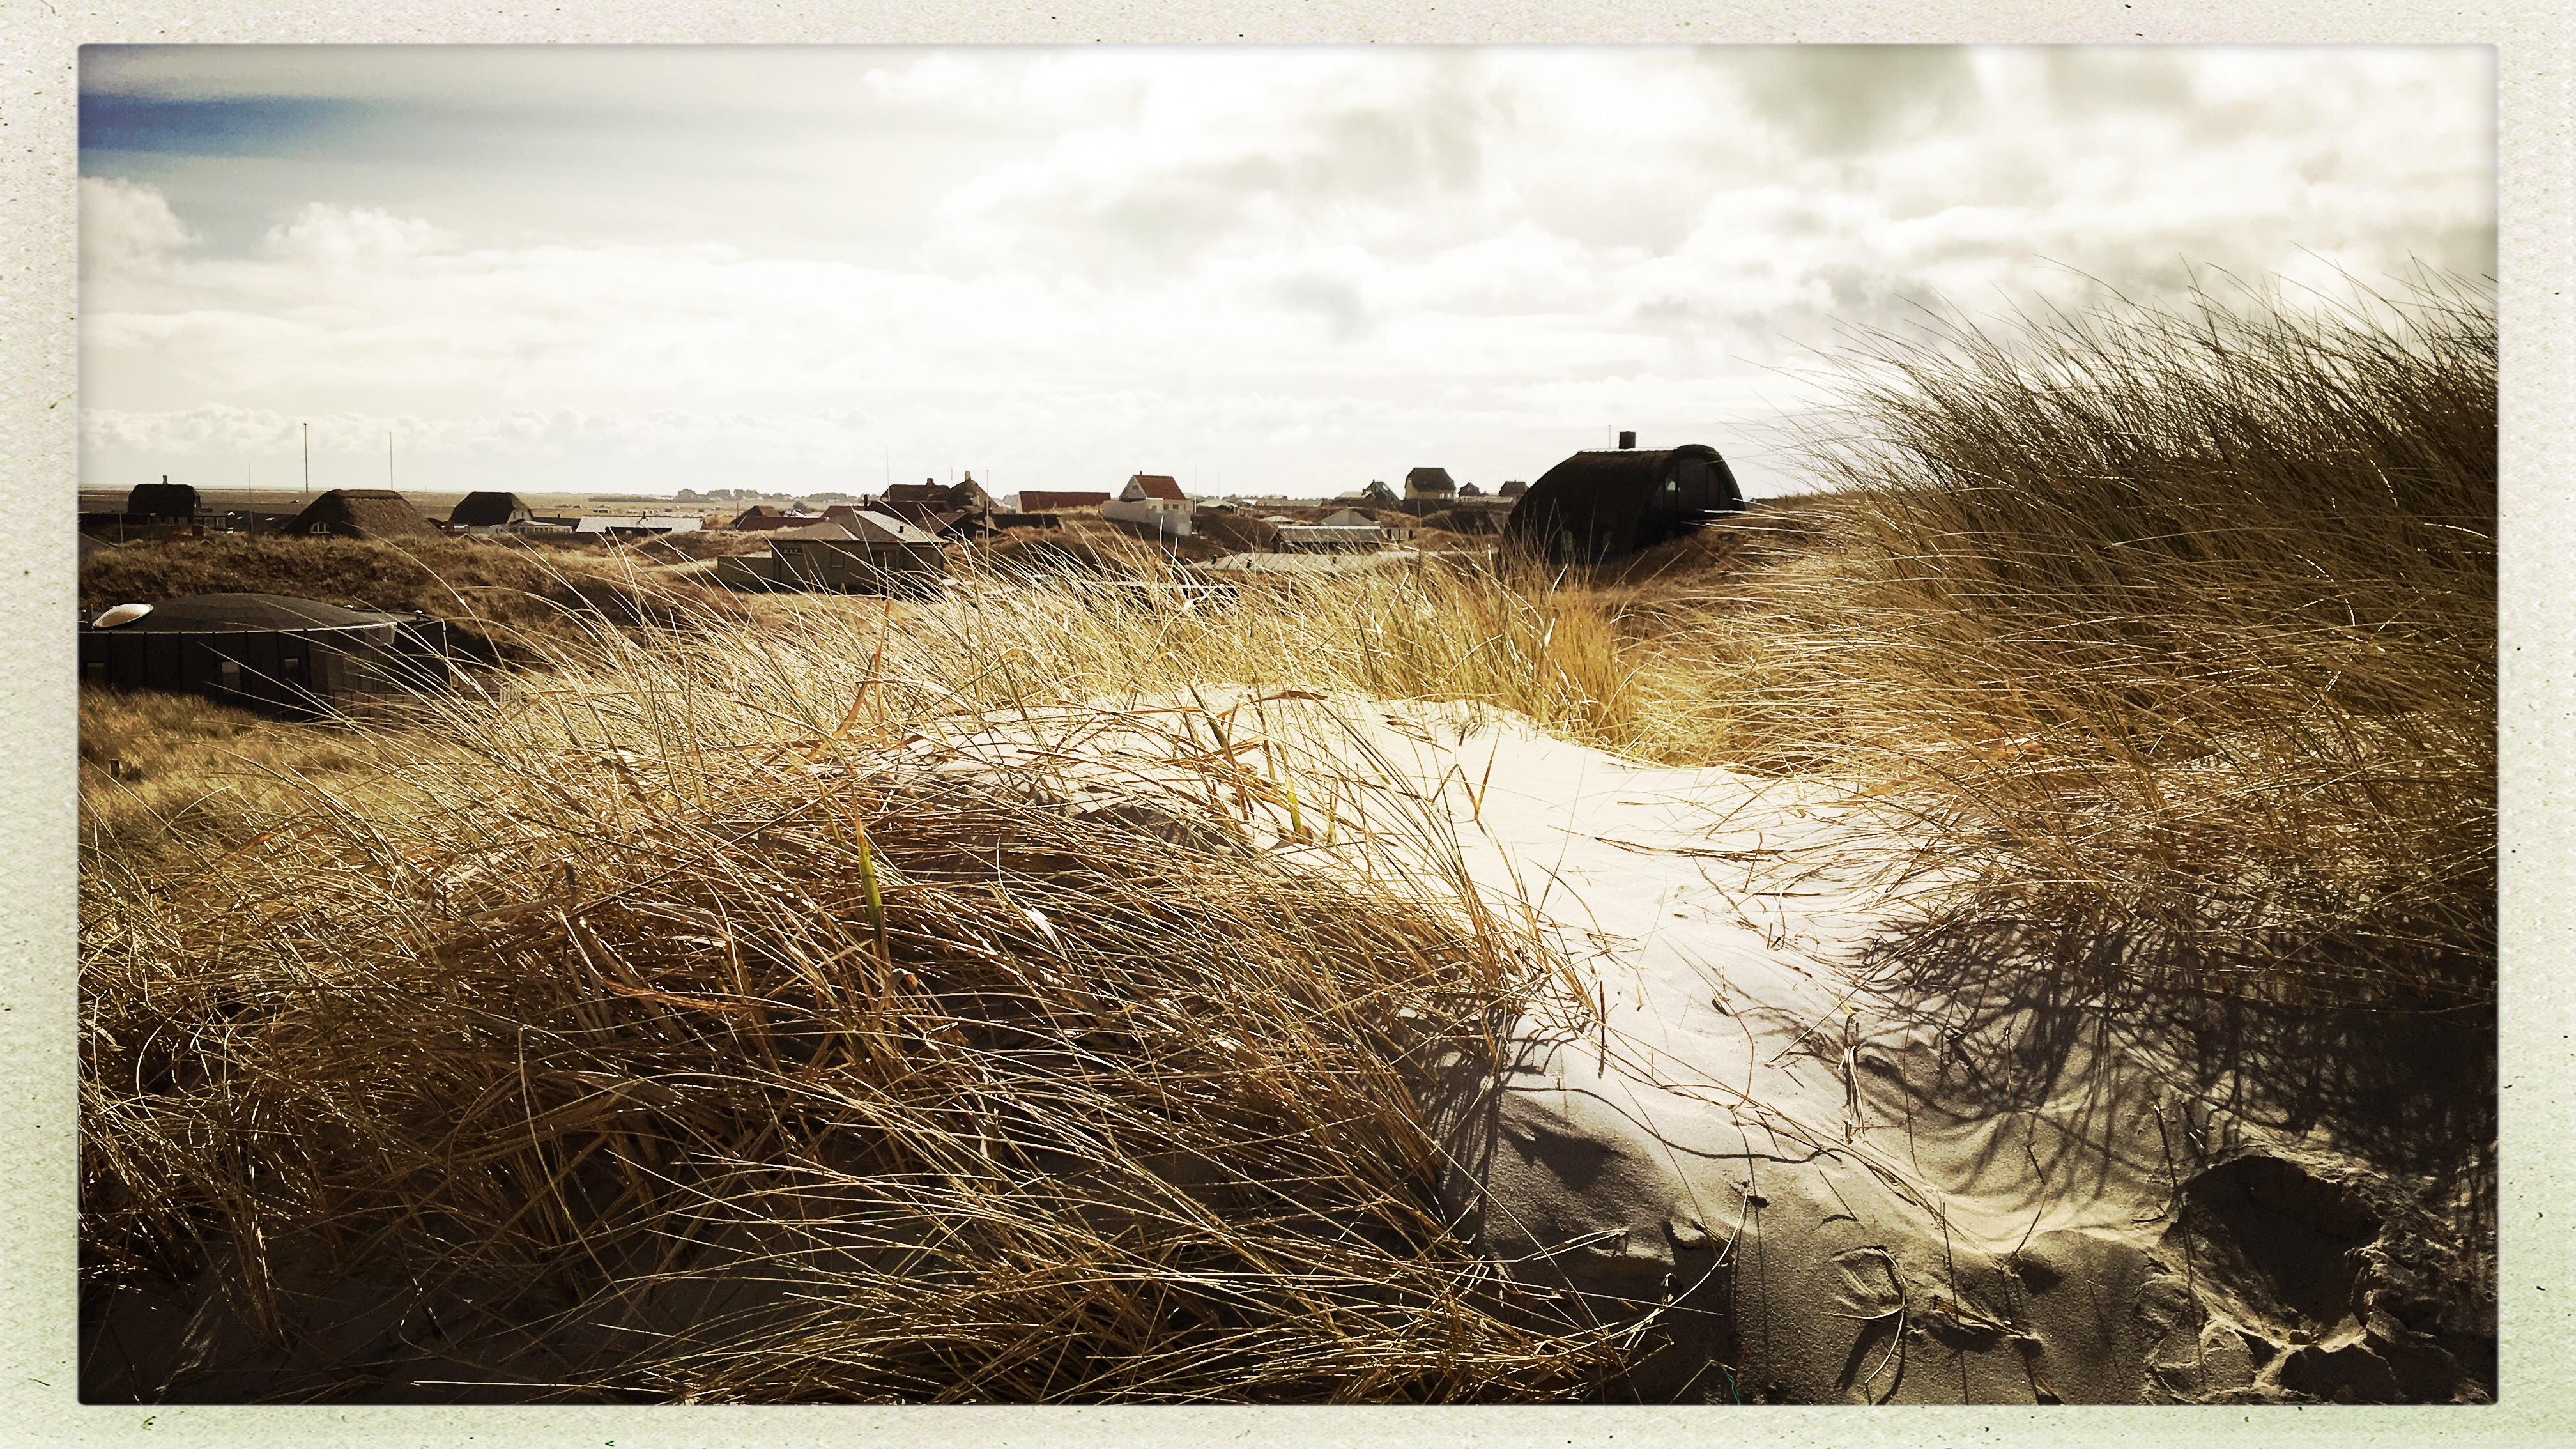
x,y
1627,440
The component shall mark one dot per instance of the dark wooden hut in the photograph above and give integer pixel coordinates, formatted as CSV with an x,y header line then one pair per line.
x,y
162,502
1603,503
267,652
490,510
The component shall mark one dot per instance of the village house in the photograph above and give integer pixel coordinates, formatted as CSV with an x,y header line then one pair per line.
x,y
1606,503
861,552
760,517
1432,483
361,513
1152,505
489,513
162,502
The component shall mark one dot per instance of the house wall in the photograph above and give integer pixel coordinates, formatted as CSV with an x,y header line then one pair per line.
x,y
853,566
1159,517
278,671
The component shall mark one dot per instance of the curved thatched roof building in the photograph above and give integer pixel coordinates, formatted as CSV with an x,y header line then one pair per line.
x,y
266,651
489,510
1604,503
362,513
164,502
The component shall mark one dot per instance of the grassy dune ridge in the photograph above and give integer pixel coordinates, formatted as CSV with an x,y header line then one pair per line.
x,y
2192,617
682,979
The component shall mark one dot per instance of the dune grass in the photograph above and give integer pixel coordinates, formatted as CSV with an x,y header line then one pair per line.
x,y
690,1021
760,999
2189,618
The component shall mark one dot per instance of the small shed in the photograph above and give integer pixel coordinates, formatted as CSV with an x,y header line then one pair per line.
x,y
1605,503
490,510
267,652
362,513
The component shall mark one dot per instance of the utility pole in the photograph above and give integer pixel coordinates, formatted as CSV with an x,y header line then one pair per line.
x,y
308,463
389,460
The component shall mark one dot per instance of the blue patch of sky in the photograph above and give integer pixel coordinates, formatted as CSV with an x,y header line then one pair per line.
x,y
233,126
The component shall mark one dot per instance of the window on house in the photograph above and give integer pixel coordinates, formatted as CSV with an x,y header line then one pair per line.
x,y
230,674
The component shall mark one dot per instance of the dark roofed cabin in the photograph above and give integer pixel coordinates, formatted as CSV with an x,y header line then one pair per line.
x,y
267,652
490,510
162,502
1605,503
965,496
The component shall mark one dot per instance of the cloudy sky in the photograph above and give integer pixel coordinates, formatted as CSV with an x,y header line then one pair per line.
x,y
1263,270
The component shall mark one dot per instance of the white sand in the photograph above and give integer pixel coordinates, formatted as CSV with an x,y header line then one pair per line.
x,y
1713,1119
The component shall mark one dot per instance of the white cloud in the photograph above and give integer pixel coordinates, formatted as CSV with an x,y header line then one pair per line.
x,y
326,237
1295,267
125,229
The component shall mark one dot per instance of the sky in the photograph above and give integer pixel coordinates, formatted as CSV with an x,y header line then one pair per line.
x,y
1261,270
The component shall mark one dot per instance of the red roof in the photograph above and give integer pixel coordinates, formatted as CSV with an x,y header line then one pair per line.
x,y
1158,486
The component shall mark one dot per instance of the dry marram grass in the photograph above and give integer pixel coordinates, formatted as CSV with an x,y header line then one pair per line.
x,y
697,1015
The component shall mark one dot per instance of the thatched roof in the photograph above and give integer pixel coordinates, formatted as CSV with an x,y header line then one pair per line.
x,y
362,513
1605,502
1429,482
489,510
162,500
